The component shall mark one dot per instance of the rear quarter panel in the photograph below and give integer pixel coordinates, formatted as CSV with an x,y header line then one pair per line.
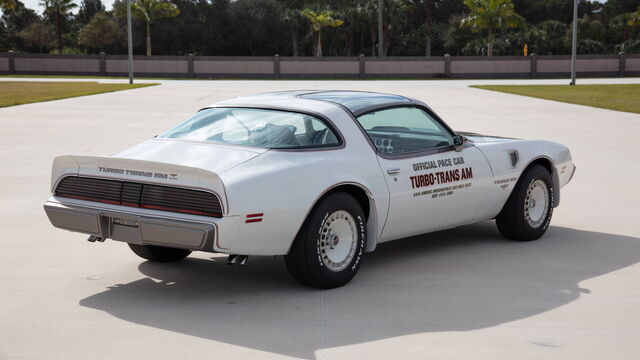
x,y
285,185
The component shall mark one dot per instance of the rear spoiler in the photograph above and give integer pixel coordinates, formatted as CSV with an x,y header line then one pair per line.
x,y
110,167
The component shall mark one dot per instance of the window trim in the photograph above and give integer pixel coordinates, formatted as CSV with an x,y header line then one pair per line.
x,y
328,123
405,155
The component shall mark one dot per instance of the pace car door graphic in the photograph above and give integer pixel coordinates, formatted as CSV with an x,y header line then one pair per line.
x,y
435,191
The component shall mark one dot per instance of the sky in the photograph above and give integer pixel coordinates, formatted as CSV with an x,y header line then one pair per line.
x,y
35,4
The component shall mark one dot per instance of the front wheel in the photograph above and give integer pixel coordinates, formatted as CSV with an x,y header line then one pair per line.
x,y
159,253
527,213
328,249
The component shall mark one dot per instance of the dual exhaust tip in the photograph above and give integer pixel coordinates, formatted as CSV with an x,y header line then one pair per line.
x,y
231,260
94,238
237,259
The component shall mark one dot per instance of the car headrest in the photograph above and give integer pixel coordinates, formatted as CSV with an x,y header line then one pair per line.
x,y
274,135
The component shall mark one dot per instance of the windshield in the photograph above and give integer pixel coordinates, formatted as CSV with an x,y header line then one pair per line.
x,y
255,127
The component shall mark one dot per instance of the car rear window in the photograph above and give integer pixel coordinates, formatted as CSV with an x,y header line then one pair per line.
x,y
264,128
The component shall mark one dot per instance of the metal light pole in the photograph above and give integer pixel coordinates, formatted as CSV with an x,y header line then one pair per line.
x,y
380,38
574,41
130,41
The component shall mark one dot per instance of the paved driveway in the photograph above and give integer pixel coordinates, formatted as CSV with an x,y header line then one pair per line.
x,y
464,293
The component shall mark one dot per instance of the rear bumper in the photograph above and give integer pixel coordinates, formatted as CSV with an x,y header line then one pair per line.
x,y
133,227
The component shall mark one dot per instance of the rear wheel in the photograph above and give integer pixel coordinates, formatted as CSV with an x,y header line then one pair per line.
x,y
159,253
328,250
527,213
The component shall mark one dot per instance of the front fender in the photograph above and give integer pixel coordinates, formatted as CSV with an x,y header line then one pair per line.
x,y
507,173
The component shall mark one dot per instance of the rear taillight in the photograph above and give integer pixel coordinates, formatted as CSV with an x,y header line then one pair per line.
x,y
157,197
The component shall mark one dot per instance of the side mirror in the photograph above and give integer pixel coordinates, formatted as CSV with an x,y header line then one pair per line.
x,y
458,142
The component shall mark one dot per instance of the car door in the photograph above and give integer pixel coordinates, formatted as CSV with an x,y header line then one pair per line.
x,y
431,185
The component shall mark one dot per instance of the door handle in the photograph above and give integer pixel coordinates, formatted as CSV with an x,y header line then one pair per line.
x,y
393,171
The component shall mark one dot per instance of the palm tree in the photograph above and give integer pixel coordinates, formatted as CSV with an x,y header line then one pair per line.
x,y
7,4
150,11
635,18
58,9
491,16
318,21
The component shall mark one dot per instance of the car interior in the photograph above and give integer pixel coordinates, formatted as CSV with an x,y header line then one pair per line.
x,y
272,135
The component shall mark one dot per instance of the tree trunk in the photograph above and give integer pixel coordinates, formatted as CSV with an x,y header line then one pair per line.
x,y
427,45
429,27
490,44
59,31
148,39
386,41
319,44
294,42
374,38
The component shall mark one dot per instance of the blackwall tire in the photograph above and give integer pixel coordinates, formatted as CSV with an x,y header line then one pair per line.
x,y
328,250
159,253
527,213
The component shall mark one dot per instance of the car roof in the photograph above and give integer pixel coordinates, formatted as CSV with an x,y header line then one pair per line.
x,y
357,102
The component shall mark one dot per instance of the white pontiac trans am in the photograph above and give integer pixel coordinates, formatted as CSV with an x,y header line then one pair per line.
x,y
320,177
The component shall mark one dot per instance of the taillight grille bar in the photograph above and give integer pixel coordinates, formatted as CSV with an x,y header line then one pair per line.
x,y
157,197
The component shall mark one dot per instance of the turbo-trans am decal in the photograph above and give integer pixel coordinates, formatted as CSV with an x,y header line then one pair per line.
x,y
129,172
440,177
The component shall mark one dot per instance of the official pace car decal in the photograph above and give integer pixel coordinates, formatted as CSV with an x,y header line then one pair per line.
x,y
155,175
440,177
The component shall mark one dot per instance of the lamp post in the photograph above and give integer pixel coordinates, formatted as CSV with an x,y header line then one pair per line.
x,y
574,40
130,41
380,38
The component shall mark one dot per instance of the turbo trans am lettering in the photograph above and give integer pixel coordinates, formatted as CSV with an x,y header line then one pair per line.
x,y
149,174
441,177
504,183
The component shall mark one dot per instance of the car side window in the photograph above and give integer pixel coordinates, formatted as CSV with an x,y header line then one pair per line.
x,y
404,130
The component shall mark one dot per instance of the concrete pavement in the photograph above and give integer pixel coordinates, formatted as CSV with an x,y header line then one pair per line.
x,y
464,293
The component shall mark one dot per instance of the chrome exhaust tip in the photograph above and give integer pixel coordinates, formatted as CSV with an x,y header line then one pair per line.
x,y
237,259
232,259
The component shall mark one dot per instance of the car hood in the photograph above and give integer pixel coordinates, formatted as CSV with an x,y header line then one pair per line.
x,y
216,158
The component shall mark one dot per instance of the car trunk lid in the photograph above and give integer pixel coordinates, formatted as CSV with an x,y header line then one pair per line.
x,y
212,157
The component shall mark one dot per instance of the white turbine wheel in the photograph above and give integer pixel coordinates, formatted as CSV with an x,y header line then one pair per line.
x,y
338,240
536,203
